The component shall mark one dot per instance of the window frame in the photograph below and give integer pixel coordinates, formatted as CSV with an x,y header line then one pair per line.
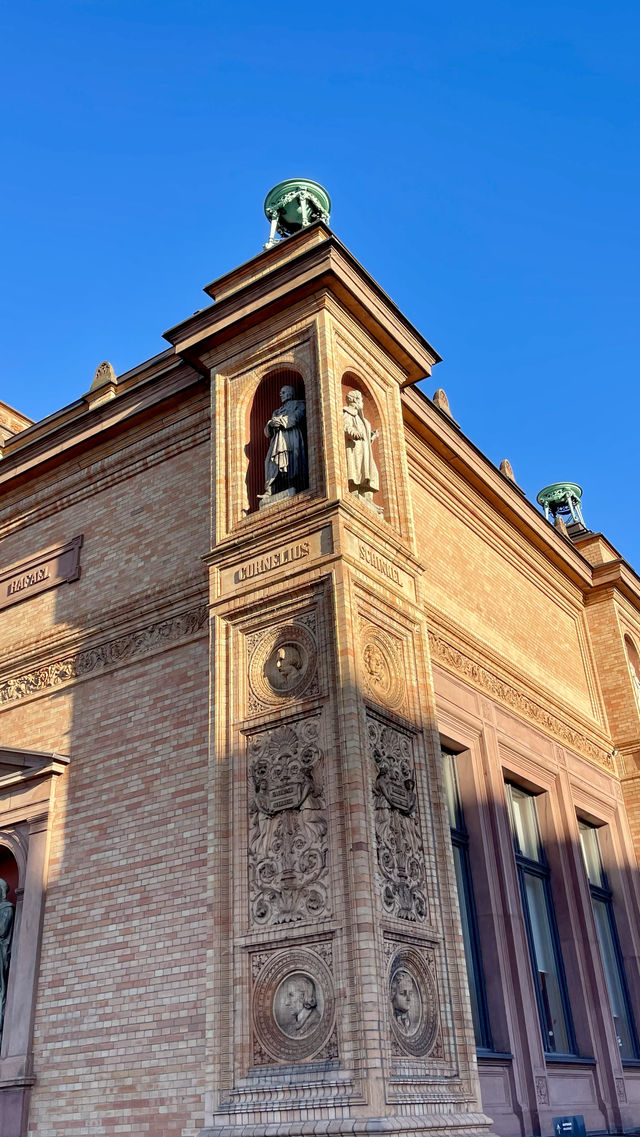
x,y
541,870
475,968
604,894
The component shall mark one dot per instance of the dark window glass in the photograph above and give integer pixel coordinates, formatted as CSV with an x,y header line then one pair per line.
x,y
602,903
542,935
473,956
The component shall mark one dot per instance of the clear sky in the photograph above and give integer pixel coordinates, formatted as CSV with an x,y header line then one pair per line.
x,y
483,164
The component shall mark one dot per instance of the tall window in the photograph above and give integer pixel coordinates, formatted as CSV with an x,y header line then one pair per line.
x,y
539,916
473,957
602,903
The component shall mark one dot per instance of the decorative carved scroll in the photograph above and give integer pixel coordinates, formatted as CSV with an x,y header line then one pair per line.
x,y
397,821
288,875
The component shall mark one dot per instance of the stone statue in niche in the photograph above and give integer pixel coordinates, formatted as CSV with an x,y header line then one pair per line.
x,y
6,933
285,467
635,678
362,471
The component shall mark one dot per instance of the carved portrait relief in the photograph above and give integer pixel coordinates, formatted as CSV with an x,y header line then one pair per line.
x,y
288,873
293,1005
400,854
298,1005
282,663
413,1001
382,666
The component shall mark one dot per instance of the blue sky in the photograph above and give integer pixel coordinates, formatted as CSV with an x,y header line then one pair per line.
x,y
483,164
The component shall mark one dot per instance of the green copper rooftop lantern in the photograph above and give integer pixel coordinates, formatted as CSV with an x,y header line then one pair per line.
x,y
294,204
562,499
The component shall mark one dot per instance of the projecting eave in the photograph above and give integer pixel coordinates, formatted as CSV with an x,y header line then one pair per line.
x,y
305,265
619,576
462,455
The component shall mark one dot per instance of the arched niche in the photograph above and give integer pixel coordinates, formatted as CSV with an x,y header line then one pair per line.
x,y
633,656
9,871
265,401
353,382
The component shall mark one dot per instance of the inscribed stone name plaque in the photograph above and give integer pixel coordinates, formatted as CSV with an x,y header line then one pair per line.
x,y
293,1005
413,1002
43,571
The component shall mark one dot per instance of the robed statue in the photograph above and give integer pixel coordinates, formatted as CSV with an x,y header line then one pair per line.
x,y
361,467
285,467
6,932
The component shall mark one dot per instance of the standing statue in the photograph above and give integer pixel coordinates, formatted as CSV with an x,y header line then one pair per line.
x,y
6,932
285,467
361,468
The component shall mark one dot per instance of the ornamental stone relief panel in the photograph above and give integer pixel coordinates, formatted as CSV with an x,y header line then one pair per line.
x,y
413,1008
382,666
399,845
294,1006
288,873
283,664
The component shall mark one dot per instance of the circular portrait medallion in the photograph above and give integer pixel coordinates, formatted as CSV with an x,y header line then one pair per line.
x,y
298,1005
283,664
413,1002
382,666
293,1005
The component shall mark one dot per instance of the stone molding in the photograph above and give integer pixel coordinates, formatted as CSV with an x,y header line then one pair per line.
x,y
106,471
111,653
460,664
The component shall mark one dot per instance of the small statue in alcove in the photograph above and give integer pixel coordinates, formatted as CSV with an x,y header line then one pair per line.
x,y
6,932
285,467
362,471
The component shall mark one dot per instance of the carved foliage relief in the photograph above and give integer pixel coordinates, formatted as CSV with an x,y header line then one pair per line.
x,y
288,874
399,845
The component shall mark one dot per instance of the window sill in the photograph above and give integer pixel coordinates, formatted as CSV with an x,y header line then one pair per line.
x,y
493,1055
631,1062
568,1060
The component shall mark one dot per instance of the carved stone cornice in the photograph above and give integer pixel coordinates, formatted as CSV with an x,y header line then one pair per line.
x,y
111,653
478,676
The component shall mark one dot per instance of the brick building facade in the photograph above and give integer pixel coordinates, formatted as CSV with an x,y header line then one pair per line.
x,y
321,816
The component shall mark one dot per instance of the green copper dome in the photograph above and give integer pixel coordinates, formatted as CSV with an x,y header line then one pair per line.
x,y
294,204
562,498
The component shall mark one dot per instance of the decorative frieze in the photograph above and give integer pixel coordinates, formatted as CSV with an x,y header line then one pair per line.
x,y
96,658
399,844
479,676
288,874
